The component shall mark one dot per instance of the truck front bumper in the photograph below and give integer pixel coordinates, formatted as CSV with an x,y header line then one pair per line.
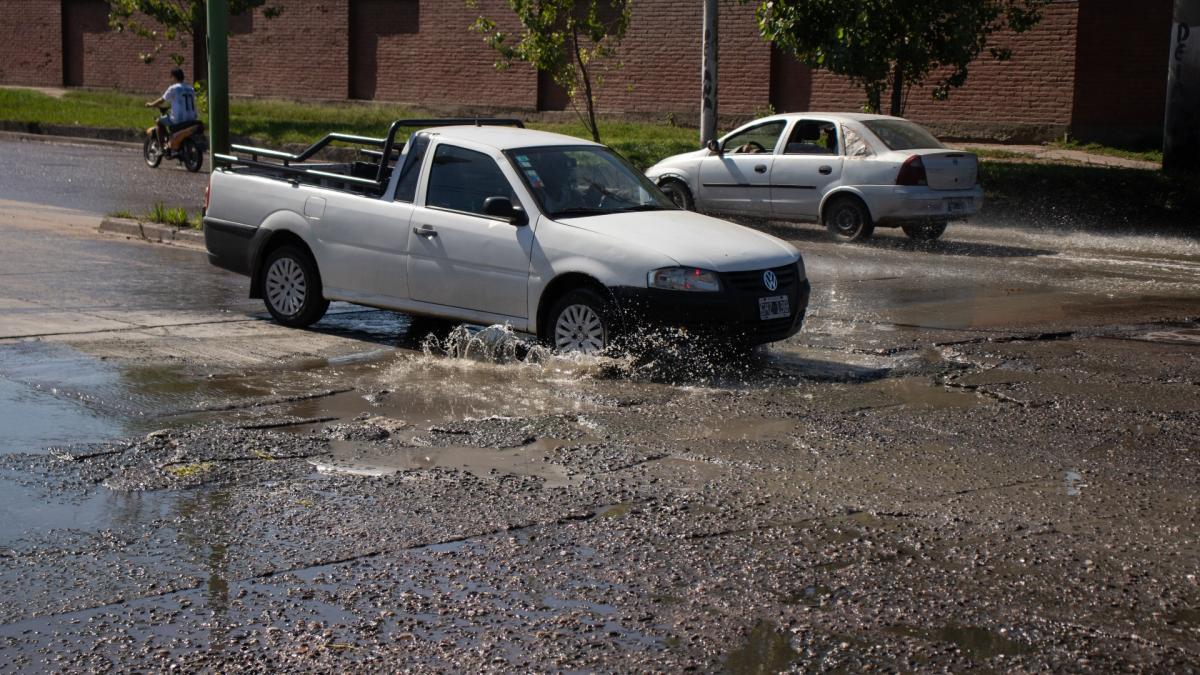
x,y
733,313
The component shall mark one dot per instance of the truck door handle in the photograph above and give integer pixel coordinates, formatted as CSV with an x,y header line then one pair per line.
x,y
825,170
425,231
761,168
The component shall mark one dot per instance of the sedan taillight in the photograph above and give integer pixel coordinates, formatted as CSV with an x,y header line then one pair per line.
x,y
912,172
207,194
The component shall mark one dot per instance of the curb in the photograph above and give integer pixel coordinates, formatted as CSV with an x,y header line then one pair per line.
x,y
152,232
37,129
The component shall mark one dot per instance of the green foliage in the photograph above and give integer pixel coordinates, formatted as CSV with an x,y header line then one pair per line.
x,y
875,43
175,217
562,38
178,23
1133,152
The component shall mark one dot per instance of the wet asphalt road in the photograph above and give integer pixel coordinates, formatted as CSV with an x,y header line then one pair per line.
x,y
96,177
978,455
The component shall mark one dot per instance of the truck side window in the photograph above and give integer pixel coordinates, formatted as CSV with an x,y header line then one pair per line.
x,y
460,180
406,187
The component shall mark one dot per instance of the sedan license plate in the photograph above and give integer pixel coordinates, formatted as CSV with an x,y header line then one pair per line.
x,y
774,307
956,205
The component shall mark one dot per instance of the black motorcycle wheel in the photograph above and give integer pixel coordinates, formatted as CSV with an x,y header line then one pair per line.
x,y
151,151
190,155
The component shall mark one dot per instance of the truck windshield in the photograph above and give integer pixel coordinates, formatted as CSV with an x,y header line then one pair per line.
x,y
902,135
577,181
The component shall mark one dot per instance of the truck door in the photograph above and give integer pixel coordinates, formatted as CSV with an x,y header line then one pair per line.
x,y
458,256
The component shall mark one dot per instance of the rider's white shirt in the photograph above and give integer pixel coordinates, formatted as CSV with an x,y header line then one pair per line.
x,y
182,98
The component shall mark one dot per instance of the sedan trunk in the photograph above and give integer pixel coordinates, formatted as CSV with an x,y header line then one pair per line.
x,y
950,170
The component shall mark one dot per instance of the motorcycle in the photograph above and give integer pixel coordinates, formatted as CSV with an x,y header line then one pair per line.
x,y
190,141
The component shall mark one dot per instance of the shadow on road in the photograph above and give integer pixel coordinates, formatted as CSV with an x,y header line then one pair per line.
x,y
947,246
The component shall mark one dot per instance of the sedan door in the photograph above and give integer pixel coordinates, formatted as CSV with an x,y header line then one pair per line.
x,y
809,163
459,256
738,180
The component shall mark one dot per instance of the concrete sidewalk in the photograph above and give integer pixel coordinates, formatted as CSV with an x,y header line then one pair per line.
x,y
1050,154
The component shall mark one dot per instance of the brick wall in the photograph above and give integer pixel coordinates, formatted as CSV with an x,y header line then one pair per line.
x,y
31,42
1120,73
112,60
444,63
1027,97
1090,66
302,53
659,60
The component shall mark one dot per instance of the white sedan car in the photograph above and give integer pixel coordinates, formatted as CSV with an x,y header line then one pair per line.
x,y
850,172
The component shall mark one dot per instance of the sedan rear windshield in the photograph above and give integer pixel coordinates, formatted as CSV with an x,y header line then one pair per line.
x,y
902,135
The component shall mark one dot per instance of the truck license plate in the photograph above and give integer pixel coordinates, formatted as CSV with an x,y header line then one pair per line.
x,y
956,205
774,307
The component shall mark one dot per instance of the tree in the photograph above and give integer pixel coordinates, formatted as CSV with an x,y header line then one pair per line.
x,y
875,43
178,23
562,38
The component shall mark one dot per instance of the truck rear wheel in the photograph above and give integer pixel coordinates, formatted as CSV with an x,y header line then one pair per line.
x,y
292,287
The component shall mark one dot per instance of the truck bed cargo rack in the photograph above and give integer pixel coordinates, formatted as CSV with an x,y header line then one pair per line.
x,y
293,164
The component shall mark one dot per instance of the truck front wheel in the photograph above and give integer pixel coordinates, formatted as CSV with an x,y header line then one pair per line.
x,y
580,321
292,288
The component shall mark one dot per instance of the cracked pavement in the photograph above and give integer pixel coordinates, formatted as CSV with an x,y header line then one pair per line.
x,y
978,456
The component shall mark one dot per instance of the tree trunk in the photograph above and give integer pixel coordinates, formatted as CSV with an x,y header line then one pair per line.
x,y
587,87
200,48
897,90
708,75
1181,134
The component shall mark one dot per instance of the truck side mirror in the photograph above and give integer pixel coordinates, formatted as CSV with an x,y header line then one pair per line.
x,y
502,207
714,147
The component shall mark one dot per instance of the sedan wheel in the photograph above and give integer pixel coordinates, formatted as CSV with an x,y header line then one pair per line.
x,y
924,231
679,193
847,219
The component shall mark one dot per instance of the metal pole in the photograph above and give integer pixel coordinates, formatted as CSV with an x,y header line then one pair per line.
x,y
218,75
708,75
1181,129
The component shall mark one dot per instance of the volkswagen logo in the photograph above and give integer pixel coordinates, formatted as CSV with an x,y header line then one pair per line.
x,y
770,281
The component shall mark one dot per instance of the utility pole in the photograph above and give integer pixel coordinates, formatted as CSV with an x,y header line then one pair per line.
x,y
218,75
708,75
1181,129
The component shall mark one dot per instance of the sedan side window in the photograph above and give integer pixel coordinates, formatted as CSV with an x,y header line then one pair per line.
x,y
755,140
461,180
810,137
856,145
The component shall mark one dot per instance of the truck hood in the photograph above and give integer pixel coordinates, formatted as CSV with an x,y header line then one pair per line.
x,y
692,239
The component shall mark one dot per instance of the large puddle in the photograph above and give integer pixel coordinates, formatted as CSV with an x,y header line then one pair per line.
x,y
530,460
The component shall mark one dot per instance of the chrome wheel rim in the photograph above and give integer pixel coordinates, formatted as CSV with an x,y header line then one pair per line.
x,y
579,329
286,286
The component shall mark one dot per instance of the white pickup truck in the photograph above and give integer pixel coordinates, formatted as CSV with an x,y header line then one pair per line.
x,y
484,221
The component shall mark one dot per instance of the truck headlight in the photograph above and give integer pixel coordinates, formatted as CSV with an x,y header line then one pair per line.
x,y
683,279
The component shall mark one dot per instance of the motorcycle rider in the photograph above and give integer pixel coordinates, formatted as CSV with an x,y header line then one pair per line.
x,y
182,98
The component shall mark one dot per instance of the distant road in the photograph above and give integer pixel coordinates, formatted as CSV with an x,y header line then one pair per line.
x,y
98,178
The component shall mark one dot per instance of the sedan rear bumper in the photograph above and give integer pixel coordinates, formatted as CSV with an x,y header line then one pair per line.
x,y
893,205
